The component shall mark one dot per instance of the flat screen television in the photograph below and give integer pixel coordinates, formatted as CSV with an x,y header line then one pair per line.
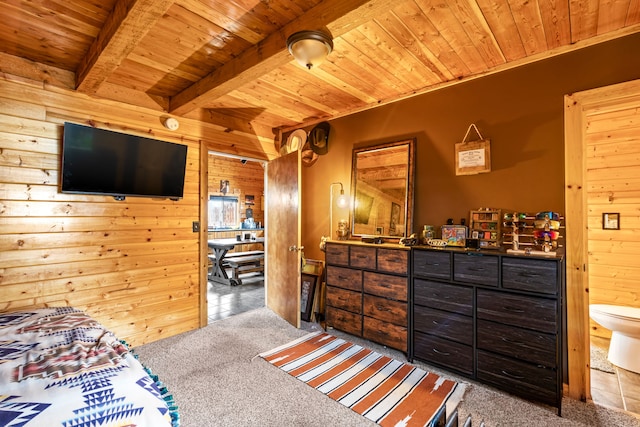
x,y
99,161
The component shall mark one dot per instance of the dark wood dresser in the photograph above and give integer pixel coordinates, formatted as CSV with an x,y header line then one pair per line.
x,y
494,317
367,291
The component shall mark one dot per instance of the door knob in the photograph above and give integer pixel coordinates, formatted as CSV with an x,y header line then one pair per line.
x,y
295,248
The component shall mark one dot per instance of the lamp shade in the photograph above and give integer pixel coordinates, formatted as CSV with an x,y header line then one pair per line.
x,y
309,48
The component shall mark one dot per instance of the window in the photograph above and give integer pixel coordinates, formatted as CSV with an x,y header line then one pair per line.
x,y
223,212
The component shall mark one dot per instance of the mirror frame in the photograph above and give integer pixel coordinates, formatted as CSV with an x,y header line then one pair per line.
x,y
409,193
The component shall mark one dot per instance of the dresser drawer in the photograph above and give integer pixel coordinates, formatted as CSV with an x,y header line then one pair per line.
x,y
455,298
393,261
344,278
523,344
362,257
385,285
443,352
444,325
344,299
477,269
524,379
385,333
432,264
336,254
344,321
535,313
385,309
534,275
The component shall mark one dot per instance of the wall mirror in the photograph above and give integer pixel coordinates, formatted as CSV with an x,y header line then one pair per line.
x,y
382,190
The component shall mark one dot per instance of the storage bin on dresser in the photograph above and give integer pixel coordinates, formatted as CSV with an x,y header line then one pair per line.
x,y
494,317
367,291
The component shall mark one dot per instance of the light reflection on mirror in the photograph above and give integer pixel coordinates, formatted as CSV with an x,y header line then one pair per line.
x,y
382,190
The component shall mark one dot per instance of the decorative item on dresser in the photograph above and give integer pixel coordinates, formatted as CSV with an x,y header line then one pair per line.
x,y
367,291
493,317
484,225
533,234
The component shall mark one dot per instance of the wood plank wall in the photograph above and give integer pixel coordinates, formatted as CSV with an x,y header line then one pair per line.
x,y
134,265
613,185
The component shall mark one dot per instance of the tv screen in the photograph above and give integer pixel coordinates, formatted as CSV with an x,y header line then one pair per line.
x,y
98,161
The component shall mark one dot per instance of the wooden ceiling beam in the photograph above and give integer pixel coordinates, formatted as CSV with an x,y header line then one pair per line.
x,y
233,123
47,74
132,97
127,24
338,16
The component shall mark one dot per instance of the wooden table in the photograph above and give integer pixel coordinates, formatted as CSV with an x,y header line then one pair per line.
x,y
220,247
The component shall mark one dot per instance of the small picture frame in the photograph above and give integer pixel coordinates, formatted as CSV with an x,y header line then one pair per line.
x,y
379,231
307,294
611,221
224,186
473,157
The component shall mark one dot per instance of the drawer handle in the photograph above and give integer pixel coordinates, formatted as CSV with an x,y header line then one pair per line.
x,y
529,275
513,310
435,322
382,308
510,341
435,350
516,377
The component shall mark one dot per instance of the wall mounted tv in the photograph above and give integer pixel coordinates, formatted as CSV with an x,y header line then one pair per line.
x,y
98,161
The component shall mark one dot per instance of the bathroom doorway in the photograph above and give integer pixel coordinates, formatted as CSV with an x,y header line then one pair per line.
x,y
602,152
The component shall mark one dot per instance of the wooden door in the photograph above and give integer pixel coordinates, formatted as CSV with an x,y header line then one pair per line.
x,y
283,233
601,128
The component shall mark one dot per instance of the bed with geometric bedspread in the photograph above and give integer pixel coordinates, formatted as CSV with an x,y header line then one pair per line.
x,y
60,367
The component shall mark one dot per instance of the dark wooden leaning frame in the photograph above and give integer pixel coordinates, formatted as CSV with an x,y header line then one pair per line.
x,y
308,284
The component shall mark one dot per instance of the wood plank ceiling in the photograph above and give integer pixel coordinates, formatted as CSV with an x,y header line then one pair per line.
x,y
226,62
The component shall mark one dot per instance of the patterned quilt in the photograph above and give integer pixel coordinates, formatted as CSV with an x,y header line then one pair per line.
x,y
60,367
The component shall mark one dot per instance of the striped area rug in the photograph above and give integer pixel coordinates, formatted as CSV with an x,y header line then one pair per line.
x,y
384,390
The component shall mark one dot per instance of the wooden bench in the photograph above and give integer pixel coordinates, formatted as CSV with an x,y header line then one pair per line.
x,y
229,256
243,265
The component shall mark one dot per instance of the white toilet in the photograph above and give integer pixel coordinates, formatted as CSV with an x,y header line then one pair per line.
x,y
624,323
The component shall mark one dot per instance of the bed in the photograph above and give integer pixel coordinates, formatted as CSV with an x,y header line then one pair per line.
x,y
60,367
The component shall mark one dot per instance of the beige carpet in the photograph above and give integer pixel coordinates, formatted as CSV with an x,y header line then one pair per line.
x,y
218,380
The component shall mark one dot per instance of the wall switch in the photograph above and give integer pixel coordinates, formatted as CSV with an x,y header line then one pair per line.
x,y
196,226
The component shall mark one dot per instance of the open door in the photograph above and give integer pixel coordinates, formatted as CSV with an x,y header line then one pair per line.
x,y
283,237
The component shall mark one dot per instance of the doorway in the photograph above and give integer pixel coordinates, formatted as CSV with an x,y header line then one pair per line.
x,y
235,205
602,132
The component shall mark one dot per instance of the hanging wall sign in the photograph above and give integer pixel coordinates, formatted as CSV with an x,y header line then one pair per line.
x,y
473,157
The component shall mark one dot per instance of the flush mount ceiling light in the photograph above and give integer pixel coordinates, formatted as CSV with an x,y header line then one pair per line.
x,y
309,48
